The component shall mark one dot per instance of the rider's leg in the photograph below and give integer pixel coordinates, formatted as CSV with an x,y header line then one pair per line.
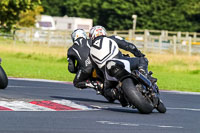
x,y
108,90
112,93
117,69
141,64
143,68
80,79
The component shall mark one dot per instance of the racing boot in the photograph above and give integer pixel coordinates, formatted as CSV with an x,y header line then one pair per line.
x,y
142,71
152,79
119,96
148,75
98,86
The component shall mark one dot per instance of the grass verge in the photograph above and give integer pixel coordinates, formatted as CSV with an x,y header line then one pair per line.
x,y
173,72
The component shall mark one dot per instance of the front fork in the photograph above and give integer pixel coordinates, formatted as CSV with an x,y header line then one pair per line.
x,y
148,89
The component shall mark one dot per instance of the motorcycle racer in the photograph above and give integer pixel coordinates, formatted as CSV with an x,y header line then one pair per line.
x,y
106,55
78,58
79,62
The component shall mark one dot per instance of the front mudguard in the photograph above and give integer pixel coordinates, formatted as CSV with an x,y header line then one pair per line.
x,y
141,78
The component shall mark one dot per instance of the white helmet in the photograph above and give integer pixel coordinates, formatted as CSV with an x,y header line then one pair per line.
x,y
97,31
78,33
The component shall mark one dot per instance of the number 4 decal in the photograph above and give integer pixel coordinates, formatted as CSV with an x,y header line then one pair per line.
x,y
97,43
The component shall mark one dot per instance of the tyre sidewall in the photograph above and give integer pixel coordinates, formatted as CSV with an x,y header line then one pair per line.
x,y
135,97
3,78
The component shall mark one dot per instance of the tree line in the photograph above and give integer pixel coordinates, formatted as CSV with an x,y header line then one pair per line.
x,y
173,15
13,12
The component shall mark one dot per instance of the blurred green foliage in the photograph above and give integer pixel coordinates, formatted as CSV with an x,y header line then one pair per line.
x,y
173,15
10,12
28,18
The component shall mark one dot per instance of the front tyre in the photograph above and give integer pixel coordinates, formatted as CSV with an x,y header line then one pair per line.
x,y
135,97
3,79
161,107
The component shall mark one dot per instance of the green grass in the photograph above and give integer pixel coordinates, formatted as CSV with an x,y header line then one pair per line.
x,y
36,66
182,81
178,74
48,67
173,72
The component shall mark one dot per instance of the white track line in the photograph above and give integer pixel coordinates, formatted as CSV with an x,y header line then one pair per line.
x,y
137,125
188,109
181,92
41,80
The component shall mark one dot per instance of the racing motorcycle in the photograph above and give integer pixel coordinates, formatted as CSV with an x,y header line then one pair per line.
x,y
138,91
141,93
3,78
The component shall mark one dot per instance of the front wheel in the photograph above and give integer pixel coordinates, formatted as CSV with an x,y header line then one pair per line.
x,y
3,79
161,107
135,97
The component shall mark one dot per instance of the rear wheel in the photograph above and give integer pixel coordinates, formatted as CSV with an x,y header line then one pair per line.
x,y
3,79
135,97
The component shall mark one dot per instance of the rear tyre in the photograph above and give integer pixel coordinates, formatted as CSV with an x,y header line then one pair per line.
x,y
161,107
135,97
3,79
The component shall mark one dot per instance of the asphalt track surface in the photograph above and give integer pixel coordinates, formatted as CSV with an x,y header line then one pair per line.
x,y
182,116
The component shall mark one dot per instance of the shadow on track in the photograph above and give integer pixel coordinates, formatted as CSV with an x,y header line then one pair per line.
x,y
109,108
123,110
82,99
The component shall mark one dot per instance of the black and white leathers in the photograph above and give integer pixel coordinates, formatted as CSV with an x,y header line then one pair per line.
x,y
103,49
79,61
106,55
106,48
